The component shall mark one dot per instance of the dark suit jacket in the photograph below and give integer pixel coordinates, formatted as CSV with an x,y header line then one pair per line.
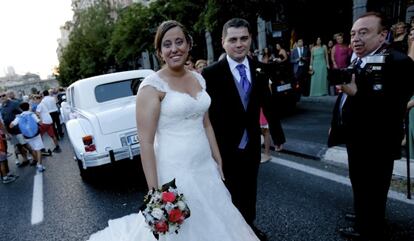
x,y
227,114
377,110
294,58
338,133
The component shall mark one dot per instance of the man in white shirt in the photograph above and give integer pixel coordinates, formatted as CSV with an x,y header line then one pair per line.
x,y
46,122
50,104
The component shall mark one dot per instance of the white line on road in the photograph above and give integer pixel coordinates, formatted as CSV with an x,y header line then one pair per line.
x,y
37,203
334,177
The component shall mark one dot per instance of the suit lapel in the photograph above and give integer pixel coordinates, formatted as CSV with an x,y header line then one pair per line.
x,y
253,76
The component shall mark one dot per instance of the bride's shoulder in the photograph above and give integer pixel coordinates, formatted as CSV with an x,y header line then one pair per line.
x,y
155,81
200,79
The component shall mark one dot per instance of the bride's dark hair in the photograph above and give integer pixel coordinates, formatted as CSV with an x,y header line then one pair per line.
x,y
163,28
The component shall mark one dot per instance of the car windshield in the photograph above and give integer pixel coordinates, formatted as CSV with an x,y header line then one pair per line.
x,y
115,90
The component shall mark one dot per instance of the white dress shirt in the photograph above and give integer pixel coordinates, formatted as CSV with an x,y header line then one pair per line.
x,y
236,75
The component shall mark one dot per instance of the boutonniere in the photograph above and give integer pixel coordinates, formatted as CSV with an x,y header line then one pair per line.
x,y
260,72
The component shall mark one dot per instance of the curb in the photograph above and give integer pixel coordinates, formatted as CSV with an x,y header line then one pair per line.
x,y
337,155
319,99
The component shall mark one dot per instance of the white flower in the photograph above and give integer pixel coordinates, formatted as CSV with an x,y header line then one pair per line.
x,y
169,207
157,213
149,218
181,205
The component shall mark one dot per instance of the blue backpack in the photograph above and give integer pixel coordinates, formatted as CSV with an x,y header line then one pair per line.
x,y
28,126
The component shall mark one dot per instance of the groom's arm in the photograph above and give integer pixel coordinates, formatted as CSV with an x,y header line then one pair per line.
x,y
271,114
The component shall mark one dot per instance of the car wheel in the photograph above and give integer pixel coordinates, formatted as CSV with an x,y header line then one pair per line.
x,y
84,173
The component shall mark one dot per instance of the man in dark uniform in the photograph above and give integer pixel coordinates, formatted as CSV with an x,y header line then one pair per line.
x,y
380,87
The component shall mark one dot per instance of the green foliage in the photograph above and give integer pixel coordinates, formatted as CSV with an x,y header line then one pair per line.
x,y
99,44
186,12
87,53
208,18
130,36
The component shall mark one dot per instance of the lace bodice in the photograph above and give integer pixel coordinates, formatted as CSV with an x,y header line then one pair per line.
x,y
179,111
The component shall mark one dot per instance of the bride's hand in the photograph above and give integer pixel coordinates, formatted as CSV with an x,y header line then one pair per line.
x,y
220,169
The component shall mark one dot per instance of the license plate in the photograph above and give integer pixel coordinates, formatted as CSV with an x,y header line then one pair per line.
x,y
284,87
133,139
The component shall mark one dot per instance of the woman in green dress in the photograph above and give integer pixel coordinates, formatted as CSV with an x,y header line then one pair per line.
x,y
319,69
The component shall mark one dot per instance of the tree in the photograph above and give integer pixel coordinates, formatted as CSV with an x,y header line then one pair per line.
x,y
206,24
186,12
130,36
87,53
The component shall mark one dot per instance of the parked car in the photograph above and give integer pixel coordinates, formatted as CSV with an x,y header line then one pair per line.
x,y
99,115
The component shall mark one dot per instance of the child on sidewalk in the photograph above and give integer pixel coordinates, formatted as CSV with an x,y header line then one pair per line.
x,y
34,141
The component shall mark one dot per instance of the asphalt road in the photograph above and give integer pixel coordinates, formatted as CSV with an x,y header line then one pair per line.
x,y
293,205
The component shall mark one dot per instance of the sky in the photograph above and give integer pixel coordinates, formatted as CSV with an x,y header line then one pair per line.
x,y
29,31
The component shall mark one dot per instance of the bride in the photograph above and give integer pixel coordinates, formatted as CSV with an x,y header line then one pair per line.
x,y
177,141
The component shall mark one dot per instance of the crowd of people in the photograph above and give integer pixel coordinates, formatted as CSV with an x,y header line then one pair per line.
x,y
23,124
201,123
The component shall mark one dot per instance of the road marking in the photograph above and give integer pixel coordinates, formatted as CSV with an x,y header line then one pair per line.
x,y
37,202
334,177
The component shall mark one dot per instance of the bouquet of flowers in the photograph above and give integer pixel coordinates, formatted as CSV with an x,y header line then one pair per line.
x,y
165,209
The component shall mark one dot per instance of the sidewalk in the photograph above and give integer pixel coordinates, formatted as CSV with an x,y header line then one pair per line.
x,y
338,156
335,155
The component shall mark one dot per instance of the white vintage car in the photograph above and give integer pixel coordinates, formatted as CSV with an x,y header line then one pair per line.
x,y
99,115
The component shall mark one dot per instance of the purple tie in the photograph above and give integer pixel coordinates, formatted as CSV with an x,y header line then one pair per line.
x,y
244,81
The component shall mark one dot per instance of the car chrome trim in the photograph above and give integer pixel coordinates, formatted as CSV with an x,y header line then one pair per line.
x,y
97,159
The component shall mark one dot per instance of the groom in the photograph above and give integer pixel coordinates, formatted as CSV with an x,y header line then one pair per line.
x,y
238,88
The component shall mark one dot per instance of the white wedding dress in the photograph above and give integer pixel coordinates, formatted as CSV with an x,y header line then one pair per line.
x,y
183,152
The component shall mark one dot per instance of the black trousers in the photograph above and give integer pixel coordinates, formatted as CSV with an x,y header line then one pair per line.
x,y
302,77
241,171
57,127
370,171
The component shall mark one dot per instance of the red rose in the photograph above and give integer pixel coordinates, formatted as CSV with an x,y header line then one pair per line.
x,y
161,227
168,197
175,215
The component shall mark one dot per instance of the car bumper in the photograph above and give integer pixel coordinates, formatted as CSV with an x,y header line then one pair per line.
x,y
110,156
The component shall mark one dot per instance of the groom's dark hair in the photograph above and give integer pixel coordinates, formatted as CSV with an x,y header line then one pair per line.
x,y
235,23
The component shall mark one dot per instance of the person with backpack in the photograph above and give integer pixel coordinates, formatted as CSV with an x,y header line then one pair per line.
x,y
6,176
9,110
28,124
